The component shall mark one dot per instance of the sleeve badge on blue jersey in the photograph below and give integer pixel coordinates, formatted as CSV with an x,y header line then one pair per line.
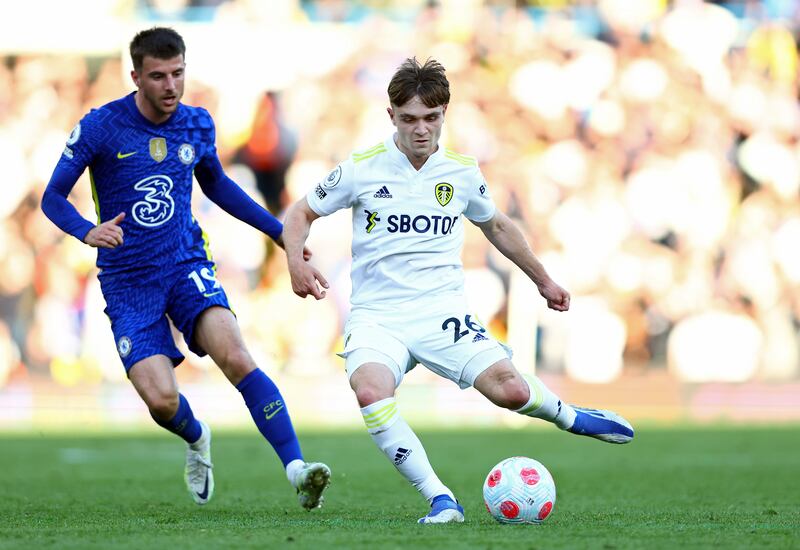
x,y
333,178
74,135
186,153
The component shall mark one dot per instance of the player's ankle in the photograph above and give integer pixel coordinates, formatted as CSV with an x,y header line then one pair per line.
x,y
292,469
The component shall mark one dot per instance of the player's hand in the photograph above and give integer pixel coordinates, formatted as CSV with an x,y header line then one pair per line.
x,y
557,298
306,280
107,234
306,252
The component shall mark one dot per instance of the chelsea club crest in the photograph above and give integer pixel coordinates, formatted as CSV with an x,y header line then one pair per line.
x,y
124,346
186,153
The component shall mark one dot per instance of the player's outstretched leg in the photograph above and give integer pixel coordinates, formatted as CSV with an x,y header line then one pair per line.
x,y
198,473
271,416
600,424
310,479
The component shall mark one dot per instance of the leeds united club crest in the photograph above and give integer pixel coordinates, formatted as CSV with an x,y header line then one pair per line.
x,y
444,192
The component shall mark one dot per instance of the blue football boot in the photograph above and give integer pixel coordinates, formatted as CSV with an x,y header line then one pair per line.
x,y
603,425
444,510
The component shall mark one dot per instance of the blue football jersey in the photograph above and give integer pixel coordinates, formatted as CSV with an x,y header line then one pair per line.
x,y
145,170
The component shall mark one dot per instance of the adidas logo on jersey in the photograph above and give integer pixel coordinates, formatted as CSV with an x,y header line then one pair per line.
x,y
382,193
401,456
479,337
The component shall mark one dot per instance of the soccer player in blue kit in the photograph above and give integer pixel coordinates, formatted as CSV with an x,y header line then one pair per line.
x,y
141,151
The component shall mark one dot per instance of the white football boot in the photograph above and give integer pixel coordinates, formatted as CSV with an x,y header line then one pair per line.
x,y
310,481
198,474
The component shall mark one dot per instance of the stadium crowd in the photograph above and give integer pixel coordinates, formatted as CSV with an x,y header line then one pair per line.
x,y
652,154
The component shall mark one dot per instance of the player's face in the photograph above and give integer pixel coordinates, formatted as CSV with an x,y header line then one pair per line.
x,y
418,128
160,84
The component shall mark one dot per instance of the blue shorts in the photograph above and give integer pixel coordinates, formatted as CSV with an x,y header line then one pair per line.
x,y
139,302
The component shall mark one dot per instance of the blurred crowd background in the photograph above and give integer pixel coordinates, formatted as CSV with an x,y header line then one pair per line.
x,y
649,150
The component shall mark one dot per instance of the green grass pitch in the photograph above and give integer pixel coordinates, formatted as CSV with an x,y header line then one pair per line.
x,y
670,488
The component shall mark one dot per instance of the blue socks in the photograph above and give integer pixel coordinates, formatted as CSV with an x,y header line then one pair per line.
x,y
183,423
269,412
267,408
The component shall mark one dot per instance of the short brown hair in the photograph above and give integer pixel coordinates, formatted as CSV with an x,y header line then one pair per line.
x,y
158,42
426,81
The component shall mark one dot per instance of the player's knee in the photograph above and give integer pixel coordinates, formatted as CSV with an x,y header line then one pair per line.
x,y
515,394
162,404
367,394
236,362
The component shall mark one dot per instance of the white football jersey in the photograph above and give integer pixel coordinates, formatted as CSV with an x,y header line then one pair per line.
x,y
407,224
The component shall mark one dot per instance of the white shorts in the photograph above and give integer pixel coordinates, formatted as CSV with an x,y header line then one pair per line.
x,y
442,335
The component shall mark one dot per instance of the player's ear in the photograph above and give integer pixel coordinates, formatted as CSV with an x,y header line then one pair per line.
x,y
135,77
444,109
391,114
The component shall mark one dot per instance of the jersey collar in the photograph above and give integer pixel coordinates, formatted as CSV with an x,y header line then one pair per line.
x,y
400,157
130,100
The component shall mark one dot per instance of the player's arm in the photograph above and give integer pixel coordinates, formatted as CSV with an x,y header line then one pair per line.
x,y
62,213
226,194
508,239
305,279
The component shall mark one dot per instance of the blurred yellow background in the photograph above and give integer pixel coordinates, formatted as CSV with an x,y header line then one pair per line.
x,y
649,150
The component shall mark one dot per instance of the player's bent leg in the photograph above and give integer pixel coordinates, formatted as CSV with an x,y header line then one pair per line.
x,y
371,381
374,385
155,382
505,386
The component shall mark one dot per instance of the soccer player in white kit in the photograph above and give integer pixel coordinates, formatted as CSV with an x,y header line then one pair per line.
x,y
408,196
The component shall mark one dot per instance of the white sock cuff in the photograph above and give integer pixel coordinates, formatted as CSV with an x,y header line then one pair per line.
x,y
381,415
293,468
536,399
546,405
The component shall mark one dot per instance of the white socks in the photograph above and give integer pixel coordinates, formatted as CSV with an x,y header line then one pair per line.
x,y
402,447
546,405
292,469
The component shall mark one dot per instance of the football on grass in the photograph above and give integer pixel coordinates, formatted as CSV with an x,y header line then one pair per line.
x,y
519,490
